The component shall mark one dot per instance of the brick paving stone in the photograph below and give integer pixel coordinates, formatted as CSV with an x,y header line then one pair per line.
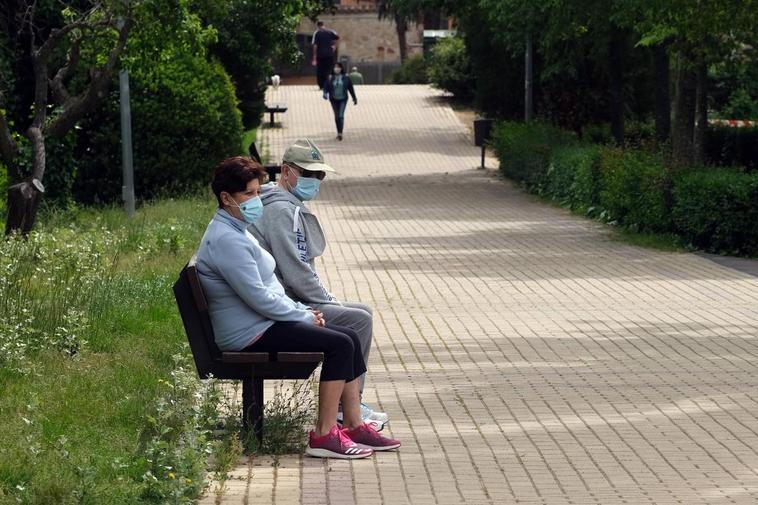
x,y
524,354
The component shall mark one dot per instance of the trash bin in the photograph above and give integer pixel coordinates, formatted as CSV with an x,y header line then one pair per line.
x,y
482,134
482,131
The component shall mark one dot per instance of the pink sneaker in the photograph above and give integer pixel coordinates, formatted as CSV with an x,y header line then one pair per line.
x,y
335,444
366,436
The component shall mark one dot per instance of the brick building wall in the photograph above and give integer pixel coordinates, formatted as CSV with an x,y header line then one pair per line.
x,y
363,37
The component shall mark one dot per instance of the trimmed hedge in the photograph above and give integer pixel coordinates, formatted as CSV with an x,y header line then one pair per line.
x,y
715,209
450,68
635,188
184,120
573,177
524,150
412,71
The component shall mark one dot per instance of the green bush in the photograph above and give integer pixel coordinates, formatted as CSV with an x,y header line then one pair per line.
x,y
597,133
741,106
573,177
184,120
639,133
450,68
717,210
525,149
3,190
728,146
635,188
412,71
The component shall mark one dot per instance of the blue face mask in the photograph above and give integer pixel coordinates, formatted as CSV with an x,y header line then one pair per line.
x,y
251,209
306,188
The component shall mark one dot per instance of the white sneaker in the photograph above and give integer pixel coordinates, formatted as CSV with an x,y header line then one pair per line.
x,y
369,416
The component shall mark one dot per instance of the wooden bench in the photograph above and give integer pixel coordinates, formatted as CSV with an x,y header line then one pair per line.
x,y
252,368
275,109
271,169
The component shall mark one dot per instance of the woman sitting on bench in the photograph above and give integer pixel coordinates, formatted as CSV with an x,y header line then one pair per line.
x,y
250,312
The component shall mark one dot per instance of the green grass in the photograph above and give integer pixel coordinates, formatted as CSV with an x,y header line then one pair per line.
x,y
662,242
248,138
76,427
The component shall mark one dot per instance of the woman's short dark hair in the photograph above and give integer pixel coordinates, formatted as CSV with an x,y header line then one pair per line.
x,y
338,64
233,174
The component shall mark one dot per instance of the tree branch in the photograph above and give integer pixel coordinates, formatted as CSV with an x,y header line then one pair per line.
x,y
75,108
58,34
57,83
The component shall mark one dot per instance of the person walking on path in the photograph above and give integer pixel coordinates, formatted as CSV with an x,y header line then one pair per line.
x,y
355,76
250,311
324,47
336,90
293,236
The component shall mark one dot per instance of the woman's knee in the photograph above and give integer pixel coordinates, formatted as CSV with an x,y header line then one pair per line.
x,y
344,342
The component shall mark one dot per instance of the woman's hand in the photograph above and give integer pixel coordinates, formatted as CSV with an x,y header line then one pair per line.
x,y
319,318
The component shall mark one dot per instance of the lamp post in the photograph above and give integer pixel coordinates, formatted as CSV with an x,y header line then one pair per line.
x,y
127,189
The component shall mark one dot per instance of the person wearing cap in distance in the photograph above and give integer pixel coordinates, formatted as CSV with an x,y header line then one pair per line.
x,y
355,76
336,89
293,236
250,311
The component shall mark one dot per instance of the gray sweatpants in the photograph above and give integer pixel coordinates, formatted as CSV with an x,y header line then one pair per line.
x,y
358,317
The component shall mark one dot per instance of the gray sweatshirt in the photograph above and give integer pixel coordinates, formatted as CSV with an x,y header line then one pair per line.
x,y
293,236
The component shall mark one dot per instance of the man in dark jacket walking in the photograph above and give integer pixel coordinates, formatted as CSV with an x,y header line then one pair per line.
x,y
324,48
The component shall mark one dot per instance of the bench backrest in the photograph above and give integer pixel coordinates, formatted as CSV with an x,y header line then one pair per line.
x,y
193,308
271,169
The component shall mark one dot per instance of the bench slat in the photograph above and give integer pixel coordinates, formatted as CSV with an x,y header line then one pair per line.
x,y
245,357
299,357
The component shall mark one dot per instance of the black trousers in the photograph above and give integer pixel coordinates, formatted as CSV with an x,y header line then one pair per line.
x,y
323,69
343,357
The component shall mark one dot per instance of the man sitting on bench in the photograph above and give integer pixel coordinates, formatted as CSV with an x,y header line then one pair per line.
x,y
249,311
293,236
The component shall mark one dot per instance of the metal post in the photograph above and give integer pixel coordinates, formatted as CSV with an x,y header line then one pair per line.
x,y
528,91
127,190
252,407
483,148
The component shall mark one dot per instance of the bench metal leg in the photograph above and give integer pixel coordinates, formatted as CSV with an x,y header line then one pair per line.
x,y
271,119
252,407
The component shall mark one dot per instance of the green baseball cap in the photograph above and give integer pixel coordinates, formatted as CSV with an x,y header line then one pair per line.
x,y
305,154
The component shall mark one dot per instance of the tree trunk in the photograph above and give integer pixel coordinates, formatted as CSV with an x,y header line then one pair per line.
x,y
701,114
661,66
401,25
684,114
529,79
23,200
616,61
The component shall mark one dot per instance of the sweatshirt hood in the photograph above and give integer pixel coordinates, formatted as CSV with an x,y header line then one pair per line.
x,y
272,192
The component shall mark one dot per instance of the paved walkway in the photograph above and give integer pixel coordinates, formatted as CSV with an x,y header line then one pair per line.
x,y
524,355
